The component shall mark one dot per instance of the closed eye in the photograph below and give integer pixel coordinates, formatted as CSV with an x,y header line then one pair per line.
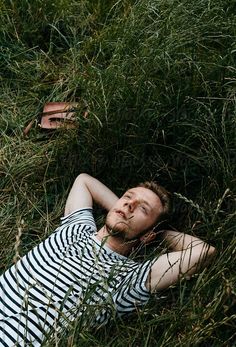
x,y
127,196
143,208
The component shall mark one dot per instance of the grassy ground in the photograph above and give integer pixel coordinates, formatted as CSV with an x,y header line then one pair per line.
x,y
158,80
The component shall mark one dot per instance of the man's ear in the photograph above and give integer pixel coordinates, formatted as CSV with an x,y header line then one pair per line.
x,y
148,237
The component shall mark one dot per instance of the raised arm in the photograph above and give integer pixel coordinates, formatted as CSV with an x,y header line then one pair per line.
x,y
188,256
86,190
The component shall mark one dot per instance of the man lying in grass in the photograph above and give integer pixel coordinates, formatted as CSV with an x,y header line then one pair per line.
x,y
79,272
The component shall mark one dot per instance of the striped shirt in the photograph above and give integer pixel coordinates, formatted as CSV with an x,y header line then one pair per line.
x,y
69,275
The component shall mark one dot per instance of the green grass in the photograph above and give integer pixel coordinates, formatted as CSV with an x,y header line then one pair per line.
x,y
158,80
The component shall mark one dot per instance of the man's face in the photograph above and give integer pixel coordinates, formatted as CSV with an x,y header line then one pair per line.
x,y
135,212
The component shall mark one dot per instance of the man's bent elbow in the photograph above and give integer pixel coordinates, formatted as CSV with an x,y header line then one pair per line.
x,y
208,254
211,251
82,176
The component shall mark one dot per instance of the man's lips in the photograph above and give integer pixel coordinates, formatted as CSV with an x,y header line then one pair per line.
x,y
121,213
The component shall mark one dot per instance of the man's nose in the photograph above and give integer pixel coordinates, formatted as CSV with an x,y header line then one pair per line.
x,y
132,204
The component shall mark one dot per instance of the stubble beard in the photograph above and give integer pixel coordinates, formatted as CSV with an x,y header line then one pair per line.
x,y
120,230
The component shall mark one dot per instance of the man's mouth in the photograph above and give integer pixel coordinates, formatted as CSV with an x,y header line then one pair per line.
x,y
121,213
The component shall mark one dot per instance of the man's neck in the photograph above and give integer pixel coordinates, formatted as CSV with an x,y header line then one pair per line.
x,y
116,244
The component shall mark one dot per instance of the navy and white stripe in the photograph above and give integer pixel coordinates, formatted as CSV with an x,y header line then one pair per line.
x,y
69,275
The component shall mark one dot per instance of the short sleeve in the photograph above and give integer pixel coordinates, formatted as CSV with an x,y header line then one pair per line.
x,y
81,216
132,291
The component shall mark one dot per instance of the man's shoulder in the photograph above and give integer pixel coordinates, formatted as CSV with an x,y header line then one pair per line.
x,y
78,217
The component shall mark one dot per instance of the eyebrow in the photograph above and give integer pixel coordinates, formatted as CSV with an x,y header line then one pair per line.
x,y
143,201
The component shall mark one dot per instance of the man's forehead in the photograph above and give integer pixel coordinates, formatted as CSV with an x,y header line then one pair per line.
x,y
145,194
140,190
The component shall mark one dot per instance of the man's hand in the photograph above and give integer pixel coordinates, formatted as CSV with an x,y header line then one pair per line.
x,y
188,256
86,190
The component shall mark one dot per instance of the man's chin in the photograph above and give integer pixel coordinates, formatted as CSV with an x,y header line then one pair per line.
x,y
118,232
123,234
119,229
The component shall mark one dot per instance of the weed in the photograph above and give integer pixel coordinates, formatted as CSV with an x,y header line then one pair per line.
x,y
158,80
